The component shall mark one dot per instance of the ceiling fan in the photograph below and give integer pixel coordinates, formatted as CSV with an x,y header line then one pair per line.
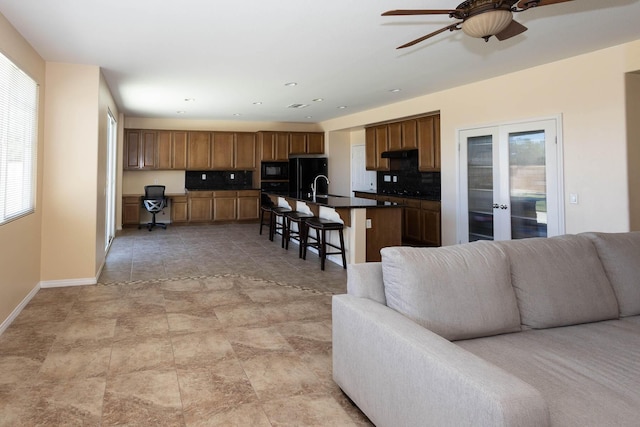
x,y
479,18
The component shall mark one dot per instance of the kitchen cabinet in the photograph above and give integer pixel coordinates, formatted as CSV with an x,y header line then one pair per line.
x,y
233,151
394,131
222,150
179,209
139,149
245,151
248,204
412,224
306,143
410,134
199,150
274,146
224,205
130,210
376,143
200,206
428,143
430,222
171,150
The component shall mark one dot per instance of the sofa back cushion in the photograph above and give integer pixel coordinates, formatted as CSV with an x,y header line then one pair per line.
x,y
458,292
559,281
620,256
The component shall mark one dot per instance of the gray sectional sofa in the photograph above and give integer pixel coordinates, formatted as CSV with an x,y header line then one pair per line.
x,y
535,332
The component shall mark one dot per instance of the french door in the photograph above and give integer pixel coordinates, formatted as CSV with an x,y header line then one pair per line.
x,y
510,182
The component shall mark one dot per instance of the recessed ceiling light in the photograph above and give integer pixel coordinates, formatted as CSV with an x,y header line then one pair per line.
x,y
257,103
318,99
395,90
180,112
291,84
308,117
189,99
342,107
237,114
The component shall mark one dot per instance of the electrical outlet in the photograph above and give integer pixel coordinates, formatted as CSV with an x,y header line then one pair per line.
x,y
573,198
395,178
368,224
204,176
232,176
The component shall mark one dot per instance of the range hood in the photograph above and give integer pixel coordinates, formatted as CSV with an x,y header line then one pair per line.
x,y
399,154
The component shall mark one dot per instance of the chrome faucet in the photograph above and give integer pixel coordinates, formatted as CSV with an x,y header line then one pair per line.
x,y
314,186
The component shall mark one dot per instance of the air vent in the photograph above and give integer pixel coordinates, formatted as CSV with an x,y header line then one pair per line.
x,y
297,105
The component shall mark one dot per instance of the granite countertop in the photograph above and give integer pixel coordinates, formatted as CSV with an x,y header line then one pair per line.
x,y
399,196
337,202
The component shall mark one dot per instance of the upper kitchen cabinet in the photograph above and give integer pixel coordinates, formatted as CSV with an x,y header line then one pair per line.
x,y
274,146
376,143
233,151
199,150
394,134
306,143
171,149
139,149
245,151
409,134
428,132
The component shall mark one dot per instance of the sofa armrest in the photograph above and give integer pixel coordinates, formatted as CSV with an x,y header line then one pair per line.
x,y
365,281
401,374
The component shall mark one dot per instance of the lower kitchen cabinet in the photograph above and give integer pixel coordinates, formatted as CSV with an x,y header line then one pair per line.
x,y
200,206
412,224
130,210
179,209
431,227
248,204
224,205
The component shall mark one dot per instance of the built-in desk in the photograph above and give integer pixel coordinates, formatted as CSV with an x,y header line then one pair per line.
x,y
369,224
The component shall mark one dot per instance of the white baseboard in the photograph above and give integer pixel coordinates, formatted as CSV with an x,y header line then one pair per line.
x,y
5,324
68,282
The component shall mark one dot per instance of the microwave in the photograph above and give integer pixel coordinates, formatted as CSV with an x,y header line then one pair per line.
x,y
275,171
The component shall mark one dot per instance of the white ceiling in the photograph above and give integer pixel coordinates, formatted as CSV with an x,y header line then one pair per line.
x,y
228,54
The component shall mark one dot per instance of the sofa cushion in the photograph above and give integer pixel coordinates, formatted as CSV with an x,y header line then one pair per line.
x,y
458,292
559,281
620,256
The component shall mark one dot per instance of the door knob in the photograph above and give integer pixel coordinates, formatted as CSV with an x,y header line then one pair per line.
x,y
503,206
496,206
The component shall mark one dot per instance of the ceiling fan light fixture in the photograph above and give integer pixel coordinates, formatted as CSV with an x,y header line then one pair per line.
x,y
485,25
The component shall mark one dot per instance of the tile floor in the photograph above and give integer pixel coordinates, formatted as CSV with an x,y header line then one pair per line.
x,y
195,325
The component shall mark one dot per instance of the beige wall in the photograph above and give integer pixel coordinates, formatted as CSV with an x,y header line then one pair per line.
x,y
588,91
20,239
70,207
338,149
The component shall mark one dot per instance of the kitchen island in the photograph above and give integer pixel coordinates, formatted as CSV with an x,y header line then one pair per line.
x,y
369,225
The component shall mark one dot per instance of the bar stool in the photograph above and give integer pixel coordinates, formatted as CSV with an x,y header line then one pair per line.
x,y
265,210
276,227
297,218
321,226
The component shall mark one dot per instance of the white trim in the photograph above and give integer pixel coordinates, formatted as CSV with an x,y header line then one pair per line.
x,y
16,311
68,282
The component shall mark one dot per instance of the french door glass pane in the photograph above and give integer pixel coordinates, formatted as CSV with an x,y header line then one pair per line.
x,y
480,187
527,184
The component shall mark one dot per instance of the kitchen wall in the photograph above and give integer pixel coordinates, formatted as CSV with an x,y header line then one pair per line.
x,y
588,90
633,146
20,239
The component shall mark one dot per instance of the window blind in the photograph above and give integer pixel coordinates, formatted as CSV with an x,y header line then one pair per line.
x,y
18,141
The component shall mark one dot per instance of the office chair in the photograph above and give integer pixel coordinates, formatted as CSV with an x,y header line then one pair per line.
x,y
154,202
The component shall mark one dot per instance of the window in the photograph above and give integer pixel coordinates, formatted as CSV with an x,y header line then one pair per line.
x,y
18,136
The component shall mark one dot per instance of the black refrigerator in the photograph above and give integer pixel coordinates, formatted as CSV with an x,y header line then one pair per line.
x,y
302,172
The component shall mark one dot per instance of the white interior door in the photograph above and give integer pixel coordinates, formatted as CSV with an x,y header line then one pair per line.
x,y
361,178
510,182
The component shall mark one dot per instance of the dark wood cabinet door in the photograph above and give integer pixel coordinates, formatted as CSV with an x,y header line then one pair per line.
x,y
224,208
382,145
281,146
199,150
297,143
395,136
179,150
409,134
163,149
222,150
148,149
132,149
245,151
426,151
315,143
267,146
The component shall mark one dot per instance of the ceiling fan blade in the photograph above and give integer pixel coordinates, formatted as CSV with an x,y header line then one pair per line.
x,y
420,12
525,4
451,27
512,30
